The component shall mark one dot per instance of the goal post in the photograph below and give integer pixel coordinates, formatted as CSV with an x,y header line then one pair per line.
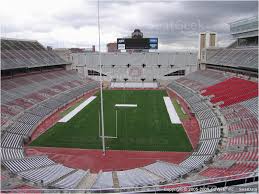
x,y
116,107
107,136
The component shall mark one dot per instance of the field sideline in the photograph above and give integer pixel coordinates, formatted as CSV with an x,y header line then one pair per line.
x,y
146,127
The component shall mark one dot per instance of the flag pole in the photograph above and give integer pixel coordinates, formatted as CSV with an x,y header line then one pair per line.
x,y
101,79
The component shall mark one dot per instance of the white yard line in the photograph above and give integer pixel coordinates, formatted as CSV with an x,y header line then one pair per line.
x,y
171,111
76,110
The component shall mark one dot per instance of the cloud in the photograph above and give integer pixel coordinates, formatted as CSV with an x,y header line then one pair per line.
x,y
72,23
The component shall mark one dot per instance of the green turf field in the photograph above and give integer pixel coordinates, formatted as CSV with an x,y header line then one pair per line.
x,y
147,127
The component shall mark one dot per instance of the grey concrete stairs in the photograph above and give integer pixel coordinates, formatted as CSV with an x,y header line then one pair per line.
x,y
116,183
87,182
154,175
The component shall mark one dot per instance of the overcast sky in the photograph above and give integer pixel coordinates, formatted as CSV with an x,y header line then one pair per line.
x,y
73,23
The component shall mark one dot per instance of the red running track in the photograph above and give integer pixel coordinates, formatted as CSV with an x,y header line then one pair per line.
x,y
113,160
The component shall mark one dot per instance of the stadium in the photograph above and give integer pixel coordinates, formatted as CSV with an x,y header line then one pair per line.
x,y
133,121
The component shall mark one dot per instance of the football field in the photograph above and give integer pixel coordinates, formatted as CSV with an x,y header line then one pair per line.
x,y
146,127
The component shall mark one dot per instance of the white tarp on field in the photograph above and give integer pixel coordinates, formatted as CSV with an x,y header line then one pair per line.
x,y
171,111
76,110
126,105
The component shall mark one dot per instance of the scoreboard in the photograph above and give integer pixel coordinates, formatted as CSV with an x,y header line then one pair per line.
x,y
137,43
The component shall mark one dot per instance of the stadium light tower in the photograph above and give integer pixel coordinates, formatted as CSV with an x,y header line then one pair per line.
x,y
101,78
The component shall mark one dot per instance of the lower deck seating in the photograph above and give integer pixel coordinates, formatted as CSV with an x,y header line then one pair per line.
x,y
40,111
250,124
201,106
232,91
39,169
166,170
239,117
210,122
203,78
29,119
252,105
137,177
21,93
11,153
71,181
195,161
20,128
28,163
239,114
209,127
231,113
238,168
104,180
10,140
195,85
188,95
35,97
46,175
9,110
249,139
240,156
207,147
205,114
210,133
